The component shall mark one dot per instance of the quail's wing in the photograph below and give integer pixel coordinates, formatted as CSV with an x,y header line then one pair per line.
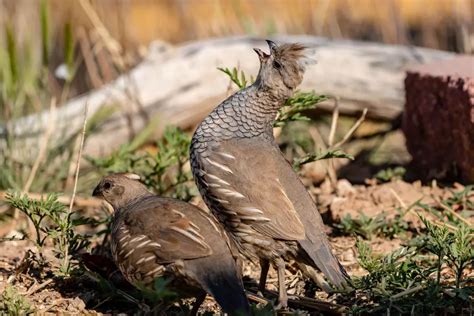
x,y
241,177
158,224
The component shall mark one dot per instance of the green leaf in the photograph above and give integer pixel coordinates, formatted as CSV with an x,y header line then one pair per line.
x,y
330,154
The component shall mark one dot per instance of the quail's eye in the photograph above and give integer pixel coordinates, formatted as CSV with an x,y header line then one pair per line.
x,y
276,64
107,185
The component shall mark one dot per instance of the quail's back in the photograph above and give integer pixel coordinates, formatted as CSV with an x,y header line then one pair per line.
x,y
247,183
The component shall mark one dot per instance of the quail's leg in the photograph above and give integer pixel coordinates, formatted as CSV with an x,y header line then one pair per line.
x,y
264,266
199,299
282,296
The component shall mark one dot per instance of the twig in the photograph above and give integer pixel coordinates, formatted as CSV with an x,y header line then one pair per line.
x,y
43,146
91,66
327,308
353,129
435,221
64,199
41,154
330,164
79,156
256,298
78,167
451,211
39,287
412,210
335,117
406,292
399,199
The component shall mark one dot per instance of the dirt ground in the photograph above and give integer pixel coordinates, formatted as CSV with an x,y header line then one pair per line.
x,y
51,296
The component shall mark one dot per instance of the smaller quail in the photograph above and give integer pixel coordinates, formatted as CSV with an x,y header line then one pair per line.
x,y
156,237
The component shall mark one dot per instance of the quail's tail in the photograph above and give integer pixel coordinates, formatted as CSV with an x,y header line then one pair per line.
x,y
224,284
321,256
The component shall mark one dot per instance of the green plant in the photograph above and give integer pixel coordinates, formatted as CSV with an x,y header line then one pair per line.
x,y
296,105
368,227
336,153
454,248
53,221
402,280
364,226
13,303
461,201
390,174
437,242
165,172
159,296
241,82
461,252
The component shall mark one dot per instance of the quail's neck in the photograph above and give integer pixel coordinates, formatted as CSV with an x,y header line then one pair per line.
x,y
260,108
248,113
127,204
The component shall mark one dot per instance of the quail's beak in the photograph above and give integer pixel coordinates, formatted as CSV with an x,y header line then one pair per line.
x,y
97,191
271,44
261,55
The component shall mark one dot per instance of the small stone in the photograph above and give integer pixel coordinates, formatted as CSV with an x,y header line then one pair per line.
x,y
344,188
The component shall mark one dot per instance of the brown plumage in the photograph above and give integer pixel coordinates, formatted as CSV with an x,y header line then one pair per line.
x,y
160,237
247,183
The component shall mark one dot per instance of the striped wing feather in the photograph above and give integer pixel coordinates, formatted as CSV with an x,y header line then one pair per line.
x,y
252,174
174,235
242,176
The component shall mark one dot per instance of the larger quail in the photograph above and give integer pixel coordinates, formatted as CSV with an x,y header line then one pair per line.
x,y
247,183
156,237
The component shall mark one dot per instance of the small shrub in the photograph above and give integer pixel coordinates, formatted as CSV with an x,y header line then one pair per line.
x,y
165,172
52,220
13,303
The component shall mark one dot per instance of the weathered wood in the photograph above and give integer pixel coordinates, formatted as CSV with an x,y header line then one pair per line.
x,y
181,85
439,118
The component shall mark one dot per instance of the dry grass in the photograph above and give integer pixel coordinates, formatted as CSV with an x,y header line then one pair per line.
x,y
446,25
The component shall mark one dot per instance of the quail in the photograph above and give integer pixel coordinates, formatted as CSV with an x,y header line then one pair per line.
x,y
249,185
154,237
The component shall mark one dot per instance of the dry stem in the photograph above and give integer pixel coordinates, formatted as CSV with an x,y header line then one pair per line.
x,y
78,167
434,221
79,156
335,117
451,211
330,164
43,145
64,199
39,159
353,129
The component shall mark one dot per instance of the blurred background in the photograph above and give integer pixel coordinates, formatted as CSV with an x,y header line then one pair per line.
x,y
67,27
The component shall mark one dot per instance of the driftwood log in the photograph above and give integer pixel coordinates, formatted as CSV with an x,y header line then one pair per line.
x,y
180,85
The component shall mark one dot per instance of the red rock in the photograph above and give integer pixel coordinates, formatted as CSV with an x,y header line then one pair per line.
x,y
438,120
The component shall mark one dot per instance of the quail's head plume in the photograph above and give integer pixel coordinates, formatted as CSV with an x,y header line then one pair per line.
x,y
284,67
248,184
156,237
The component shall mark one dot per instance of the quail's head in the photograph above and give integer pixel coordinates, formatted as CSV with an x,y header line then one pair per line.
x,y
120,189
284,68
